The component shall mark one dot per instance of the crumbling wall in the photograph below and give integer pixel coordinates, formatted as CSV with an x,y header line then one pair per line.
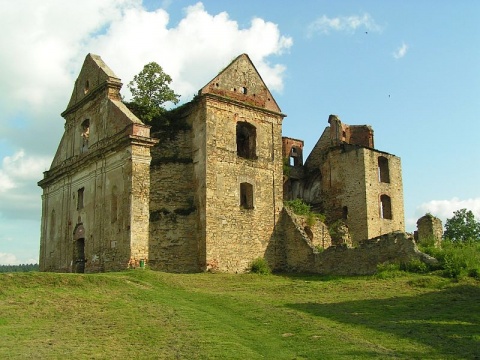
x,y
299,253
293,170
429,228
301,238
394,247
348,180
240,82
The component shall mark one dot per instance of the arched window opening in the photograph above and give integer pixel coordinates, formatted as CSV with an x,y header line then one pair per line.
x,y
345,213
85,134
383,171
246,195
385,207
246,140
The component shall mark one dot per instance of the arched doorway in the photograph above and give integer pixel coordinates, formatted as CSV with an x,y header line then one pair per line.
x,y
79,249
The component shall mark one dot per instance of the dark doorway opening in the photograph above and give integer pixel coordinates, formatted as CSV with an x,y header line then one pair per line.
x,y
80,259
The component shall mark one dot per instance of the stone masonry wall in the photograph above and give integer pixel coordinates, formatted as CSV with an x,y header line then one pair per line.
x,y
300,256
343,189
429,228
394,247
235,235
139,230
377,225
173,207
300,242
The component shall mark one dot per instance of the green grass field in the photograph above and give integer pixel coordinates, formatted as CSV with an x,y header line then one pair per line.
x,y
142,314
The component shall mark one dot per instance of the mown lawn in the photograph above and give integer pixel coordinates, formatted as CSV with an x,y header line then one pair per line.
x,y
143,314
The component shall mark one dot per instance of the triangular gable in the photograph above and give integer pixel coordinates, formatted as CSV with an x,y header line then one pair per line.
x,y
94,75
97,83
241,81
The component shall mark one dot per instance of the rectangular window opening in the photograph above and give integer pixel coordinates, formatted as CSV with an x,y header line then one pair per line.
x,y
385,207
246,140
246,195
80,198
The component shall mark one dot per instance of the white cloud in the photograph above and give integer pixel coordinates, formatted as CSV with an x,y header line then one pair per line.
x,y
324,24
44,39
401,51
18,169
444,209
19,194
192,52
9,259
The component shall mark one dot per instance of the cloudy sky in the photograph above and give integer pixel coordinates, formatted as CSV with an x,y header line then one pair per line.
x,y
410,69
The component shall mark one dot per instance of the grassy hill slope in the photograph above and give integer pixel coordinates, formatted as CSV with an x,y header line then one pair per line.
x,y
152,315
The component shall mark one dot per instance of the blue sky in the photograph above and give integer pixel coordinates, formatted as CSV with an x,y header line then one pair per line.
x,y
410,69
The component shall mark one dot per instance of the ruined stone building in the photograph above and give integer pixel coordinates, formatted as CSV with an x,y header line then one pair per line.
x,y
347,179
206,190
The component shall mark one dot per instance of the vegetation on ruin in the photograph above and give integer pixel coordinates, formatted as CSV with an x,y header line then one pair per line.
x,y
147,314
150,90
300,207
456,259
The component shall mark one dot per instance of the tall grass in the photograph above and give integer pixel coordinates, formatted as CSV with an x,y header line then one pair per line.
x,y
456,259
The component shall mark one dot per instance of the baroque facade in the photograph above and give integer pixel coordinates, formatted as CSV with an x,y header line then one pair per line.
x,y
204,191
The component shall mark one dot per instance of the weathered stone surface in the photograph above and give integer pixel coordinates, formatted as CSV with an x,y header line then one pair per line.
x,y
394,247
206,192
345,178
299,241
95,195
429,228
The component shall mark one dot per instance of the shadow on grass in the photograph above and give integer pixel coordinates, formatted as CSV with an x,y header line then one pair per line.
x,y
446,320
313,277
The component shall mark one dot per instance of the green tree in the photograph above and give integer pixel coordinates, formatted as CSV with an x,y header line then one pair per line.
x,y
150,89
462,227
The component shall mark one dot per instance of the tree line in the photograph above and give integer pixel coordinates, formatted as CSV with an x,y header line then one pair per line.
x,y
18,268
